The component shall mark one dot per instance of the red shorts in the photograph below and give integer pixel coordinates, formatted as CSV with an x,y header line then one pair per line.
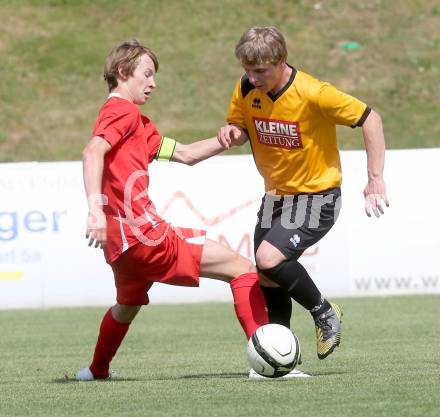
x,y
175,260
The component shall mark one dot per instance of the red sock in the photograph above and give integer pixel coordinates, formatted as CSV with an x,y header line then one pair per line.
x,y
111,334
249,302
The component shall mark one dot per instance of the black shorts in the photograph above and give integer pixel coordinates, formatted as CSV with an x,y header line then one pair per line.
x,y
294,223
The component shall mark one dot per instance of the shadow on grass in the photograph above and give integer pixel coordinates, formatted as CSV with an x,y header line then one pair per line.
x,y
241,375
235,375
331,372
68,380
225,375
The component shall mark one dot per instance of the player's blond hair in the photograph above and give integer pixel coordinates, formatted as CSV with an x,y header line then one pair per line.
x,y
261,45
125,57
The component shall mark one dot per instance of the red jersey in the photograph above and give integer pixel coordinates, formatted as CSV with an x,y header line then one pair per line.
x,y
134,141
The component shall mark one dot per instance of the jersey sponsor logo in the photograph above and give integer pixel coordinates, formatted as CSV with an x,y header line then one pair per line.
x,y
279,133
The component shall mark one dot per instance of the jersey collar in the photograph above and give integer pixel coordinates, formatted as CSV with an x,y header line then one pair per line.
x,y
276,96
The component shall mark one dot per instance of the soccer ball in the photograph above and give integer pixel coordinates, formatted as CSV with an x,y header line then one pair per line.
x,y
273,350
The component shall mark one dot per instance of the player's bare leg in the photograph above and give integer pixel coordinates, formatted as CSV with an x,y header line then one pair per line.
x,y
220,262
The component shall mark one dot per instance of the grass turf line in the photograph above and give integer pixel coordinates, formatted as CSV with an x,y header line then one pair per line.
x,y
189,360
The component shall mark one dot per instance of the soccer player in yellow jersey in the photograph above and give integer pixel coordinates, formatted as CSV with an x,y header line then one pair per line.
x,y
290,118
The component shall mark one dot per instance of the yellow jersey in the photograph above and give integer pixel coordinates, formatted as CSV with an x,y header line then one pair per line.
x,y
293,134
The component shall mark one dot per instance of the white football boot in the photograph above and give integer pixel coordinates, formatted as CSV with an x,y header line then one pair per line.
x,y
294,373
84,374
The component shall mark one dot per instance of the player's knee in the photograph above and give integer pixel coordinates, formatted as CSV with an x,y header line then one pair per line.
x,y
266,260
240,264
244,265
251,267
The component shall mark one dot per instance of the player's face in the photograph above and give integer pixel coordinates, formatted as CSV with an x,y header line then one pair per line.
x,y
141,83
266,77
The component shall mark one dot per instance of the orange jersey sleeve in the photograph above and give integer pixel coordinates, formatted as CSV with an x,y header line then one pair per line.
x,y
235,112
339,107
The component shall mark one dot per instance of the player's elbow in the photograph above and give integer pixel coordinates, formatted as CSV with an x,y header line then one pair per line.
x,y
191,161
87,154
184,155
190,155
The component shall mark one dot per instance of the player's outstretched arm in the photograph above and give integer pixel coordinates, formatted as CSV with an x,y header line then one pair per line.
x,y
93,166
375,191
191,154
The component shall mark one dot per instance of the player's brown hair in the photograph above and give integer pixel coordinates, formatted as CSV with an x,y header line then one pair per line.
x,y
125,57
261,45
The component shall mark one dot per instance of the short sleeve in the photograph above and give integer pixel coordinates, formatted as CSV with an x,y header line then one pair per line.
x,y
153,136
340,107
116,123
235,111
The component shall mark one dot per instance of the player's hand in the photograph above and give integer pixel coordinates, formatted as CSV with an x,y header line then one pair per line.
x,y
375,197
96,228
231,135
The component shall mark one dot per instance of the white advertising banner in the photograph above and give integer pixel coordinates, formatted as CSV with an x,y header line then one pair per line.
x,y
45,260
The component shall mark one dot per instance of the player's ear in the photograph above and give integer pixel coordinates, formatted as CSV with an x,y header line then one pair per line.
x,y
121,74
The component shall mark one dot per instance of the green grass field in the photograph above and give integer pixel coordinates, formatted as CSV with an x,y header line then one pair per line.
x,y
189,360
52,53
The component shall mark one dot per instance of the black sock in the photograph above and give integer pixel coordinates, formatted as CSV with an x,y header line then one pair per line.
x,y
293,277
279,305
320,308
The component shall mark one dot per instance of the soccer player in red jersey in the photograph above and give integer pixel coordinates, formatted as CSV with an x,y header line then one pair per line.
x,y
140,246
